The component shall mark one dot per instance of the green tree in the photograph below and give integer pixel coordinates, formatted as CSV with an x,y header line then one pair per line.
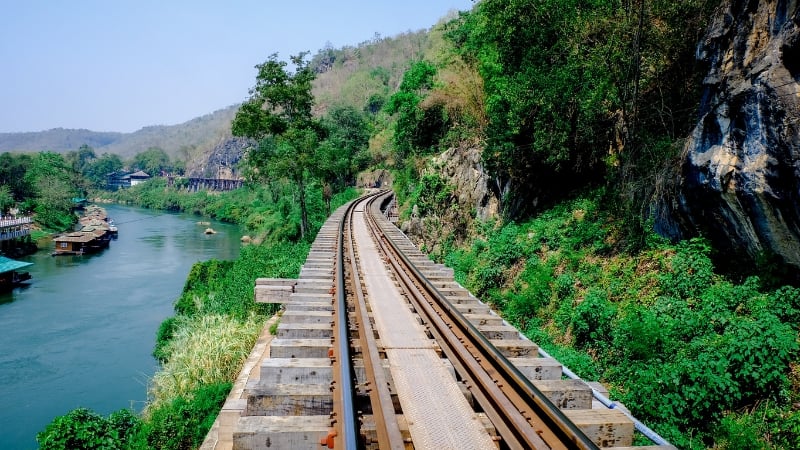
x,y
278,114
6,199
52,180
592,96
98,170
81,159
12,174
153,161
418,128
344,152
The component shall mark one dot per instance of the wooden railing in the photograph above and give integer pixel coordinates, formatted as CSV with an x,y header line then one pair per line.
x,y
16,221
14,227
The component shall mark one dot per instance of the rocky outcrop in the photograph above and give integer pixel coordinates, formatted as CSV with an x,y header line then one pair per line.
x,y
740,180
462,168
221,162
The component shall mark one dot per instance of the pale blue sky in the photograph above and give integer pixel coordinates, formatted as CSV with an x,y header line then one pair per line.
x,y
109,65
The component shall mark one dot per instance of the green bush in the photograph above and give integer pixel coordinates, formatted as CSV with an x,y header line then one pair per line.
x,y
430,193
84,429
164,335
638,335
592,320
184,422
692,270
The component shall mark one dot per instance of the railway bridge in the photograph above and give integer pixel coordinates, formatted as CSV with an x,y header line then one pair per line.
x,y
194,184
378,347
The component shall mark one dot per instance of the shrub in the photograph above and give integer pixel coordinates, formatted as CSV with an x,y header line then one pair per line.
x,y
692,270
163,336
638,334
592,320
758,350
184,422
785,303
82,428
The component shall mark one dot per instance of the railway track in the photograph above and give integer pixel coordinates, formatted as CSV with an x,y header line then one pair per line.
x,y
378,347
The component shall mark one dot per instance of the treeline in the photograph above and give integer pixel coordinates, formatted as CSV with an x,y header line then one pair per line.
x,y
561,95
44,184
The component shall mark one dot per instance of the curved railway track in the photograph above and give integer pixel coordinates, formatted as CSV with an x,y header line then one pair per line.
x,y
378,347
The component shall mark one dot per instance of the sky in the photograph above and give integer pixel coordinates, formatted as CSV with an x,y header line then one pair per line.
x,y
122,65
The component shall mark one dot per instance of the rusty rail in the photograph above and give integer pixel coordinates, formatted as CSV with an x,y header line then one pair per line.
x,y
524,417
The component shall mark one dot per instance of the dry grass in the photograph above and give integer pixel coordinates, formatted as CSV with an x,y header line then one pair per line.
x,y
207,349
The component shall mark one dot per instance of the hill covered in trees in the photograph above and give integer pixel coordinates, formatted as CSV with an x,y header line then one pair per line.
x,y
182,141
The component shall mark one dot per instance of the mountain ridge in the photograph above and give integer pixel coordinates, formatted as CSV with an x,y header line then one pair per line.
x,y
182,140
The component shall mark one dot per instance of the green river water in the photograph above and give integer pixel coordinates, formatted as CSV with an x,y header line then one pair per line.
x,y
81,334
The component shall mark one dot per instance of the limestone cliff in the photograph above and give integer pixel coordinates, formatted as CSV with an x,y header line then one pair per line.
x,y
740,180
462,169
221,161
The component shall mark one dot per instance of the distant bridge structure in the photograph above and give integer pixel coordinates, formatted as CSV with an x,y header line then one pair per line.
x,y
194,184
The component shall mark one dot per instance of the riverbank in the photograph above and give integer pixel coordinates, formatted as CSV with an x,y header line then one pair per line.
x,y
100,316
216,305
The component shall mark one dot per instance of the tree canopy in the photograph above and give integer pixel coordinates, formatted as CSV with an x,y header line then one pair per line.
x,y
279,114
53,183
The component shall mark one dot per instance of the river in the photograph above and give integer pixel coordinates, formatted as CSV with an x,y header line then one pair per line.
x,y
81,334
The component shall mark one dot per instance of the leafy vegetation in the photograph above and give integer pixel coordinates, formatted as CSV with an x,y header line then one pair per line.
x,y
84,429
600,93
294,145
43,184
690,352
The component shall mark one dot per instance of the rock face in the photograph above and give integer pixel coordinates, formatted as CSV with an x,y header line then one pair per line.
x,y
462,168
221,162
740,181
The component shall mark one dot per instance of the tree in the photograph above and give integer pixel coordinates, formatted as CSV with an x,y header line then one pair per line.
x,y
344,152
81,159
12,174
6,199
98,170
278,114
52,180
418,128
153,161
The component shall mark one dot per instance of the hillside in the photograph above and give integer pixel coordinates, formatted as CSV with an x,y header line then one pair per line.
x,y
538,147
183,141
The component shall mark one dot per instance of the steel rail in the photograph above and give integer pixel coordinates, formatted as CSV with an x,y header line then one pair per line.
x,y
345,420
386,426
525,418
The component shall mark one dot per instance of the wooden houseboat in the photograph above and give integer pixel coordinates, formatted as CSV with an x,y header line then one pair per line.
x,y
9,277
95,234
75,243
